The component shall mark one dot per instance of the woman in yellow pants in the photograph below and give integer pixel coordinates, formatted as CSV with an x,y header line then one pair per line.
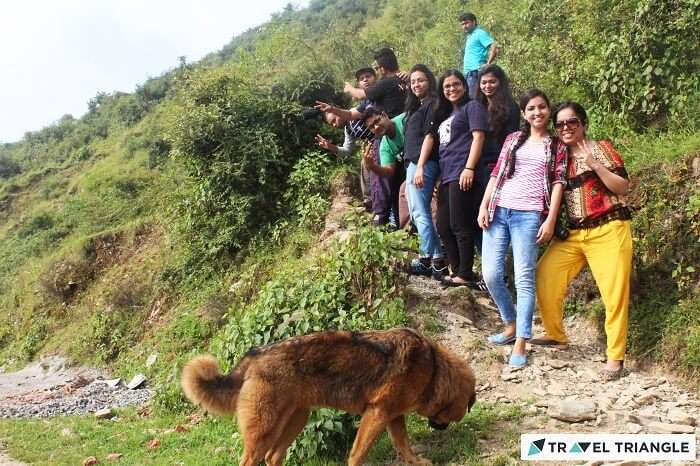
x,y
599,235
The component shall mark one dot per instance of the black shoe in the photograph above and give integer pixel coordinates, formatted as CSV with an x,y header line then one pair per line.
x,y
439,269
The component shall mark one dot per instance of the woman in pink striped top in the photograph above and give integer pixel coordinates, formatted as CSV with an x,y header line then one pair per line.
x,y
520,207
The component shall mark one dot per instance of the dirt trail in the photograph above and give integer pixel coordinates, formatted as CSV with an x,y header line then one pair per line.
x,y
560,390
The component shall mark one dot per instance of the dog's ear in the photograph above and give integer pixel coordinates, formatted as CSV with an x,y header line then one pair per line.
x,y
472,400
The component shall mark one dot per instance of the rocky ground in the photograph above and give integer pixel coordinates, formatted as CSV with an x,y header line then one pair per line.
x,y
560,390
50,388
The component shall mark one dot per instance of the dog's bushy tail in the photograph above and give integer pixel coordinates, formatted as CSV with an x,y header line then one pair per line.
x,y
204,385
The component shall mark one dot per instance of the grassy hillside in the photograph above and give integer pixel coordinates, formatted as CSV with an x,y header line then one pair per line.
x,y
165,220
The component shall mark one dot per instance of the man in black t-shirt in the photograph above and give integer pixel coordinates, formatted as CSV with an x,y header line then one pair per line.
x,y
389,92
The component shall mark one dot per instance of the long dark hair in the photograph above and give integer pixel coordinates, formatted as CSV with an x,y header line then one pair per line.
x,y
444,109
412,101
525,97
500,105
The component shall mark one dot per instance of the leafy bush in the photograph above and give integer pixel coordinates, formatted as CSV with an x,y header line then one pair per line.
x,y
238,145
64,278
39,222
111,331
129,293
307,192
8,167
33,339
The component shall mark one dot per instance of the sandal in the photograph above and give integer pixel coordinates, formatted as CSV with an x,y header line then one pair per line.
x,y
517,360
544,341
449,282
606,375
501,339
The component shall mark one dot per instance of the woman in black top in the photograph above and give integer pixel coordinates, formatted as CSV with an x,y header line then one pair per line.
x,y
422,169
504,114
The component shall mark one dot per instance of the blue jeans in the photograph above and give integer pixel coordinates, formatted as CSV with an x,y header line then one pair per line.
x,y
518,227
472,78
419,200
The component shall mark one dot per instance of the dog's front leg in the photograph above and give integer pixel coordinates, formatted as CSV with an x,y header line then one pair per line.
x,y
372,424
399,438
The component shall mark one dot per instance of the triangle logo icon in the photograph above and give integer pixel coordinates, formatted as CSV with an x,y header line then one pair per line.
x,y
575,448
533,450
584,445
536,447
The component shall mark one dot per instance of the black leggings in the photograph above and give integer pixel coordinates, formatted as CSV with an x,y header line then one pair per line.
x,y
457,225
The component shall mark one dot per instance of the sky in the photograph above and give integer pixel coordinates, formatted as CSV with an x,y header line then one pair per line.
x,y
56,56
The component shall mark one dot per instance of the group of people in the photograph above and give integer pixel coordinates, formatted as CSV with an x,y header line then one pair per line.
x,y
500,185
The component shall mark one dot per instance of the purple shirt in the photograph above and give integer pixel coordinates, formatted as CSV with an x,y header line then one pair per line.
x,y
456,138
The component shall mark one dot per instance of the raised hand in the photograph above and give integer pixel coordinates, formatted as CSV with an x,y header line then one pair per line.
x,y
325,143
324,107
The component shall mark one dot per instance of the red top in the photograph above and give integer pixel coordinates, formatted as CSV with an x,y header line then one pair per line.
x,y
589,203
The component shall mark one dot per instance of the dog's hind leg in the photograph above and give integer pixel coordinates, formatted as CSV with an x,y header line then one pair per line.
x,y
372,424
291,430
399,438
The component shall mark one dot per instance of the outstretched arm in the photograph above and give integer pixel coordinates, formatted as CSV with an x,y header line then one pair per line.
x,y
355,92
351,114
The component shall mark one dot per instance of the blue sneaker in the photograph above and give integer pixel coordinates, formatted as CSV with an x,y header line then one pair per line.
x,y
501,339
517,360
418,267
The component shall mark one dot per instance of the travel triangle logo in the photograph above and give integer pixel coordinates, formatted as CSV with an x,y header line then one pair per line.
x,y
536,447
579,447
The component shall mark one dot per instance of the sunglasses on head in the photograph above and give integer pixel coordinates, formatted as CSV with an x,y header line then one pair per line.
x,y
570,123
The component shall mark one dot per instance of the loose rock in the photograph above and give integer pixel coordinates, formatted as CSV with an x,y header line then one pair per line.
x,y
574,410
663,428
677,416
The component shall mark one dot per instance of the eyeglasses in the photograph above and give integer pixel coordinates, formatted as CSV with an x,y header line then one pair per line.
x,y
570,123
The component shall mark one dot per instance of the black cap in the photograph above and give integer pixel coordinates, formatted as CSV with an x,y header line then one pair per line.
x,y
363,70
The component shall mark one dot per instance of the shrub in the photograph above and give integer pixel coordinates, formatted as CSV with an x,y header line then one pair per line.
x,y
62,279
111,331
33,339
8,167
39,222
307,192
129,293
238,145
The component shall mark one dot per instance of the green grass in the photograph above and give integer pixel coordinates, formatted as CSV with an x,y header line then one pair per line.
x,y
214,441
647,150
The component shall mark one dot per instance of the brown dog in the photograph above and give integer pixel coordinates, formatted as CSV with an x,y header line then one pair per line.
x,y
381,375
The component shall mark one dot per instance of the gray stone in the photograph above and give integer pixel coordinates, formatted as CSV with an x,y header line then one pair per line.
x,y
104,413
633,428
558,364
664,428
555,389
646,399
136,382
574,410
677,416
113,382
151,360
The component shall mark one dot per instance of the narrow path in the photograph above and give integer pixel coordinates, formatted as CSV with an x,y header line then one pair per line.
x,y
7,461
560,390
